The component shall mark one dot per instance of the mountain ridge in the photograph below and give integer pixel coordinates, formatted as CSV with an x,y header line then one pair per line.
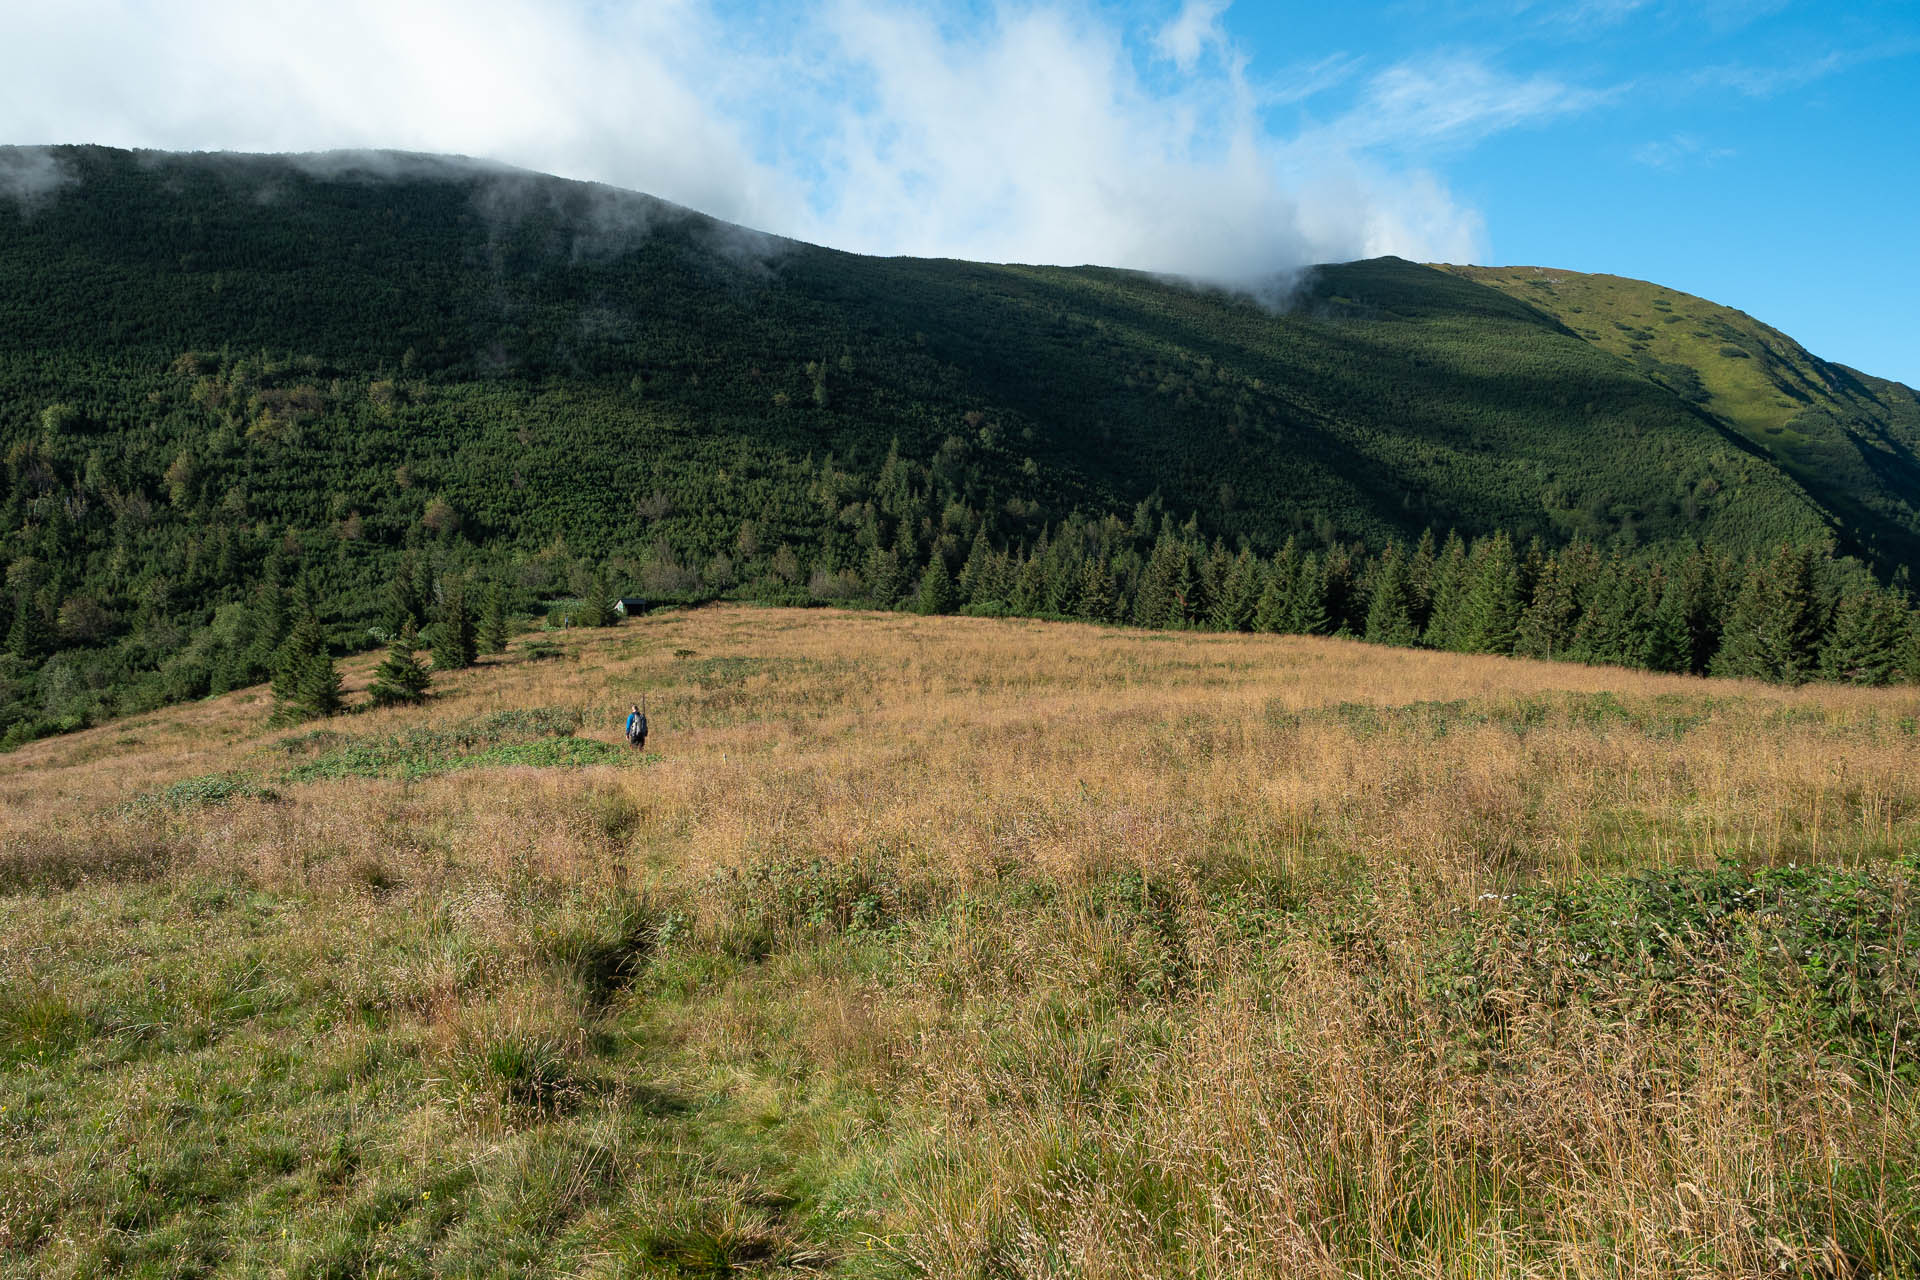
x,y
220,369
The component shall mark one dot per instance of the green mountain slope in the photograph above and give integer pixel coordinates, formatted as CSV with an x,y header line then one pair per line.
x,y
1849,438
1394,398
216,370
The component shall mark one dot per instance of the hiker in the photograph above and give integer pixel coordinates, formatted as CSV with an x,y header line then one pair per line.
x,y
637,727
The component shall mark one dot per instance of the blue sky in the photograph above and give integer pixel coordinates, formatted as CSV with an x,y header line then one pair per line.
x,y
1761,154
1764,155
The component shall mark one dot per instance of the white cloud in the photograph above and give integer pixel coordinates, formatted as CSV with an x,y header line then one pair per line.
x,y
1764,82
1029,135
29,175
1194,30
614,97
1452,100
1679,151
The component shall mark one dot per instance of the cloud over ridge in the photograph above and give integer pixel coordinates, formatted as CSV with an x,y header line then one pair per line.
x,y
1043,132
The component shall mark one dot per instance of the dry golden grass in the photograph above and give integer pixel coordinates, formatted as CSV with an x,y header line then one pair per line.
x,y
1041,949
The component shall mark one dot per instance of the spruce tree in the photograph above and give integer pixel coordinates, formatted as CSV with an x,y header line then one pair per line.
x,y
1616,625
1340,592
1095,600
977,569
493,624
596,604
884,576
996,584
1285,575
305,682
1697,581
401,679
1390,613
1580,568
404,601
1546,628
1864,647
1212,573
1490,613
1420,580
454,643
1310,616
1029,594
1061,575
1153,598
1233,607
1773,632
1670,638
1531,564
273,618
27,637
1185,596
1449,595
1741,652
1907,667
318,690
936,589
1792,629
1271,614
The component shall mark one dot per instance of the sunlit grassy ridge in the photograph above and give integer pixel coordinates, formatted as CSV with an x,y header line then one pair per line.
x,y
968,947
1848,437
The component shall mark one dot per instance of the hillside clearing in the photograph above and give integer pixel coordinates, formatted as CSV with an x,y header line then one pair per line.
x,y
966,947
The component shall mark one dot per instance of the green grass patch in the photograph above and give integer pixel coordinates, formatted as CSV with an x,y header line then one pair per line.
x,y
410,759
539,738
1779,950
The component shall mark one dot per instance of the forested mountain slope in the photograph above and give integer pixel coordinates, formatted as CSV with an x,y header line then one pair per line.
x,y
222,370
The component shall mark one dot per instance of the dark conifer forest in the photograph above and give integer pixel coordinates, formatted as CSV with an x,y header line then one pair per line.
x,y
256,411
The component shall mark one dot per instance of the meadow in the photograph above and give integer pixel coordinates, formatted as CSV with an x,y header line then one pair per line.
x,y
966,947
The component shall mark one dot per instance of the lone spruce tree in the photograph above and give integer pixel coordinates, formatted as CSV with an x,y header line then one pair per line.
x,y
400,680
454,642
305,682
493,624
596,606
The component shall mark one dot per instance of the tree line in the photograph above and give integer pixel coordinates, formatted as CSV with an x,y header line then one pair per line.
x,y
1799,614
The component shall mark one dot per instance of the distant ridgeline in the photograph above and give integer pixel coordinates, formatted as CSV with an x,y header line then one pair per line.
x,y
234,390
